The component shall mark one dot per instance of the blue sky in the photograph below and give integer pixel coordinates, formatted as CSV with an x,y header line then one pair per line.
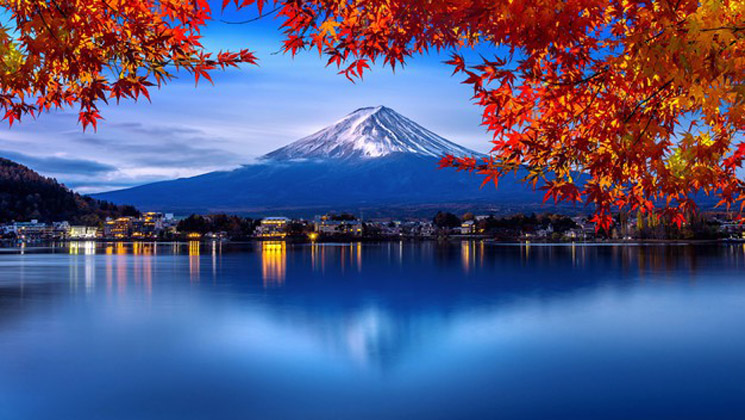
x,y
248,112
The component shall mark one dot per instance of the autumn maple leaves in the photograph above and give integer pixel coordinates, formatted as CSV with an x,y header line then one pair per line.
x,y
620,104
79,53
614,103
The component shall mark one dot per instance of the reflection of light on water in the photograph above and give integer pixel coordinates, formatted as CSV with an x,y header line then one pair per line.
x,y
313,255
215,252
354,258
143,265
273,263
118,257
525,251
147,270
121,268
73,276
116,264
343,258
90,272
86,248
194,261
109,269
143,248
346,255
574,254
359,256
467,255
323,259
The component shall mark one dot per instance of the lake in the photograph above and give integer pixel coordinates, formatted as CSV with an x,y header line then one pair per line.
x,y
387,330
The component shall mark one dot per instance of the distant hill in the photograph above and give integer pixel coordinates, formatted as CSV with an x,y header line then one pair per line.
x,y
373,161
27,195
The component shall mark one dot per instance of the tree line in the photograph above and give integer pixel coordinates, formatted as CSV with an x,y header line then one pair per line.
x,y
26,195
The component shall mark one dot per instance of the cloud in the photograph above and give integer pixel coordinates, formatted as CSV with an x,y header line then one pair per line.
x,y
117,182
59,165
175,150
159,130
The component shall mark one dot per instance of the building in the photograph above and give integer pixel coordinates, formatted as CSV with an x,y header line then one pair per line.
x,y
468,227
326,225
353,227
427,229
273,227
82,232
574,234
148,226
390,228
62,227
154,221
32,230
733,230
545,233
120,228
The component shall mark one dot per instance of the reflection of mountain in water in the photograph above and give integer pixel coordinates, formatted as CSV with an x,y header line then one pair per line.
x,y
378,304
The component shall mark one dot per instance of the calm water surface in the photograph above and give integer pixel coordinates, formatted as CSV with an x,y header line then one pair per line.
x,y
463,330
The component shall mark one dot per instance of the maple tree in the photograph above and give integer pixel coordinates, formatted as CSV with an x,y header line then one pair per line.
x,y
621,104
61,53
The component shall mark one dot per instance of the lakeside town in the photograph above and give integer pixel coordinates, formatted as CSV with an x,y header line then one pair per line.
x,y
157,226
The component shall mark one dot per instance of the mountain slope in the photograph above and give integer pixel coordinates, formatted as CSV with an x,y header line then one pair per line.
x,y
26,195
400,183
374,160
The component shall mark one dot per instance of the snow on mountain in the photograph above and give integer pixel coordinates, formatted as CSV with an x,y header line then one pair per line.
x,y
367,133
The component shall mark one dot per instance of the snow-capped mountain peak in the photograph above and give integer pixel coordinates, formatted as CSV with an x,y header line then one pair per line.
x,y
368,133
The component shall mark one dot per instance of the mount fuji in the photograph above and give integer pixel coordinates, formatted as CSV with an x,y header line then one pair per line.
x,y
370,133
374,160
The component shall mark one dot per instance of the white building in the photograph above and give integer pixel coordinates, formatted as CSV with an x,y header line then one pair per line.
x,y
271,227
468,227
82,232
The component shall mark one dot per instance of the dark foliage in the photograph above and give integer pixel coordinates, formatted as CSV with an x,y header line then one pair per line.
x,y
517,224
343,217
234,226
298,228
446,220
26,195
698,226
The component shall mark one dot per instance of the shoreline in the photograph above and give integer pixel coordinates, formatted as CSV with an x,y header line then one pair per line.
x,y
11,245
